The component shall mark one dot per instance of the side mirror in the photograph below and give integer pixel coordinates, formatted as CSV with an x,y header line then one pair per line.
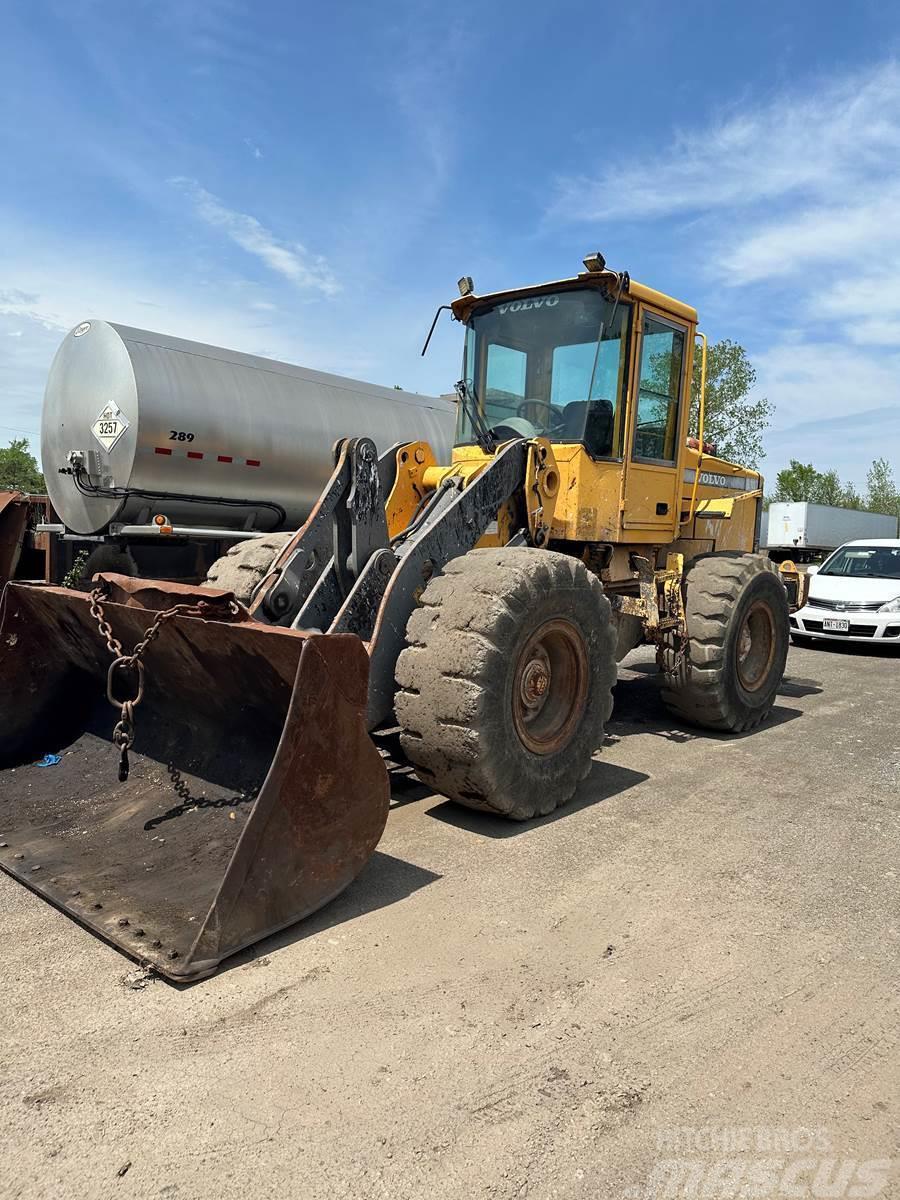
x,y
812,570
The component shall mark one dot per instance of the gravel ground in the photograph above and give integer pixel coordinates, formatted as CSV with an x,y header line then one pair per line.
x,y
696,960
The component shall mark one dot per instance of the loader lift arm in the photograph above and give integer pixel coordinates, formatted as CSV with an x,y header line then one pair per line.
x,y
341,574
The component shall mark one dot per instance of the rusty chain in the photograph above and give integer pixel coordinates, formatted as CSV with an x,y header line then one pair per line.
x,y
123,733
678,648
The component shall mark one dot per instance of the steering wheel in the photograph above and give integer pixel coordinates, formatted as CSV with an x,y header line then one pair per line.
x,y
556,413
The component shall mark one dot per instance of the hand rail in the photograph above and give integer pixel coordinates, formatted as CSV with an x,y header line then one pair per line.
x,y
693,510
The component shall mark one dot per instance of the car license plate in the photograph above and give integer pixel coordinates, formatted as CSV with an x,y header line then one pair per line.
x,y
836,625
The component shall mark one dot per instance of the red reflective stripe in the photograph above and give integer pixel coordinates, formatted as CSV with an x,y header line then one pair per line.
x,y
195,453
163,450
225,458
252,462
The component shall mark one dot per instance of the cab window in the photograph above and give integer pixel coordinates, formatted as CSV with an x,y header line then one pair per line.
x,y
505,374
551,365
659,391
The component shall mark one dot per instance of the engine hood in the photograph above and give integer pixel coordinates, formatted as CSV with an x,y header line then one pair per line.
x,y
853,590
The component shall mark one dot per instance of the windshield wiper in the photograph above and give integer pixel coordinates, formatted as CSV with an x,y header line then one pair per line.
x,y
483,433
624,280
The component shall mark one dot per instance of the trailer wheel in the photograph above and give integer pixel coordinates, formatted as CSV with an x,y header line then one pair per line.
x,y
245,565
738,631
506,682
112,559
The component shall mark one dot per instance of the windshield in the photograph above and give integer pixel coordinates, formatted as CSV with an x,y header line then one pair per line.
x,y
864,562
536,368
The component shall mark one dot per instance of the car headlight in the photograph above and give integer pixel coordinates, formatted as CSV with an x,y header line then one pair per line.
x,y
891,606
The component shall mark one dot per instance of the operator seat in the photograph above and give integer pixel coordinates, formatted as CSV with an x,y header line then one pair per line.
x,y
590,421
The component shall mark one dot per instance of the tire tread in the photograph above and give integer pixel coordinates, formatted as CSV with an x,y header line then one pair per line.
x,y
700,694
457,643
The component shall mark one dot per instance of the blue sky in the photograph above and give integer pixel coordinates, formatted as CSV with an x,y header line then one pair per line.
x,y
308,182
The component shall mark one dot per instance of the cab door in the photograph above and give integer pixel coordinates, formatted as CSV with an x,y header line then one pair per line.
x,y
652,486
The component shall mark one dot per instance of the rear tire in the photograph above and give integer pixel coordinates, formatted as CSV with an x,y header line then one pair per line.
x,y
245,565
738,631
506,681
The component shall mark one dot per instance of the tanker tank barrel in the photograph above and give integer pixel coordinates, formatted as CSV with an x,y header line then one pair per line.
x,y
137,424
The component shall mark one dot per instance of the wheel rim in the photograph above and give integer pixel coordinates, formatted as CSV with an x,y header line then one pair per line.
x,y
755,646
550,686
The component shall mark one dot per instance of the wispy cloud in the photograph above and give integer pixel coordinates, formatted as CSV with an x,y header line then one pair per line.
x,y
253,148
808,182
796,144
795,201
16,303
836,406
289,259
54,287
15,297
807,178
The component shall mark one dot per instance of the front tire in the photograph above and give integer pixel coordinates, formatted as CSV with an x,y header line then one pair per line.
x,y
244,566
738,632
506,682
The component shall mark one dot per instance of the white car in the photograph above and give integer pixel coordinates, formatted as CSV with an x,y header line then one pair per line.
x,y
854,596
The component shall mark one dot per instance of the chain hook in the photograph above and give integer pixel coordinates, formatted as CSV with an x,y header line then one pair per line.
x,y
123,733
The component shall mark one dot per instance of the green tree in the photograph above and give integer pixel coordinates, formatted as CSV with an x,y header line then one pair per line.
x,y
829,490
852,498
798,481
802,481
881,492
19,470
734,422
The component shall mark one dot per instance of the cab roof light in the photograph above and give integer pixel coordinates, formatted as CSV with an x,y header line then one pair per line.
x,y
595,263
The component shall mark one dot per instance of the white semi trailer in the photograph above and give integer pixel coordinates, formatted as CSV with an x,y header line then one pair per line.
x,y
804,531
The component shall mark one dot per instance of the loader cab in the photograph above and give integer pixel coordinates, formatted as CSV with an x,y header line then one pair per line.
x,y
550,365
601,367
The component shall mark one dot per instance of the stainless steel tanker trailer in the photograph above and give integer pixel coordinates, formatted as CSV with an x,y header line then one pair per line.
x,y
161,453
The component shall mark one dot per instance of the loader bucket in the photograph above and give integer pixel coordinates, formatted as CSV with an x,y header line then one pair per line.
x,y
254,796
13,523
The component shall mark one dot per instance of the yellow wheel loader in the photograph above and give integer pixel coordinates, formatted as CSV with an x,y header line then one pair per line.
x,y
185,774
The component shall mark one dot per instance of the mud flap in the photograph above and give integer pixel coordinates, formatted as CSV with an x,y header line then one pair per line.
x,y
254,797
